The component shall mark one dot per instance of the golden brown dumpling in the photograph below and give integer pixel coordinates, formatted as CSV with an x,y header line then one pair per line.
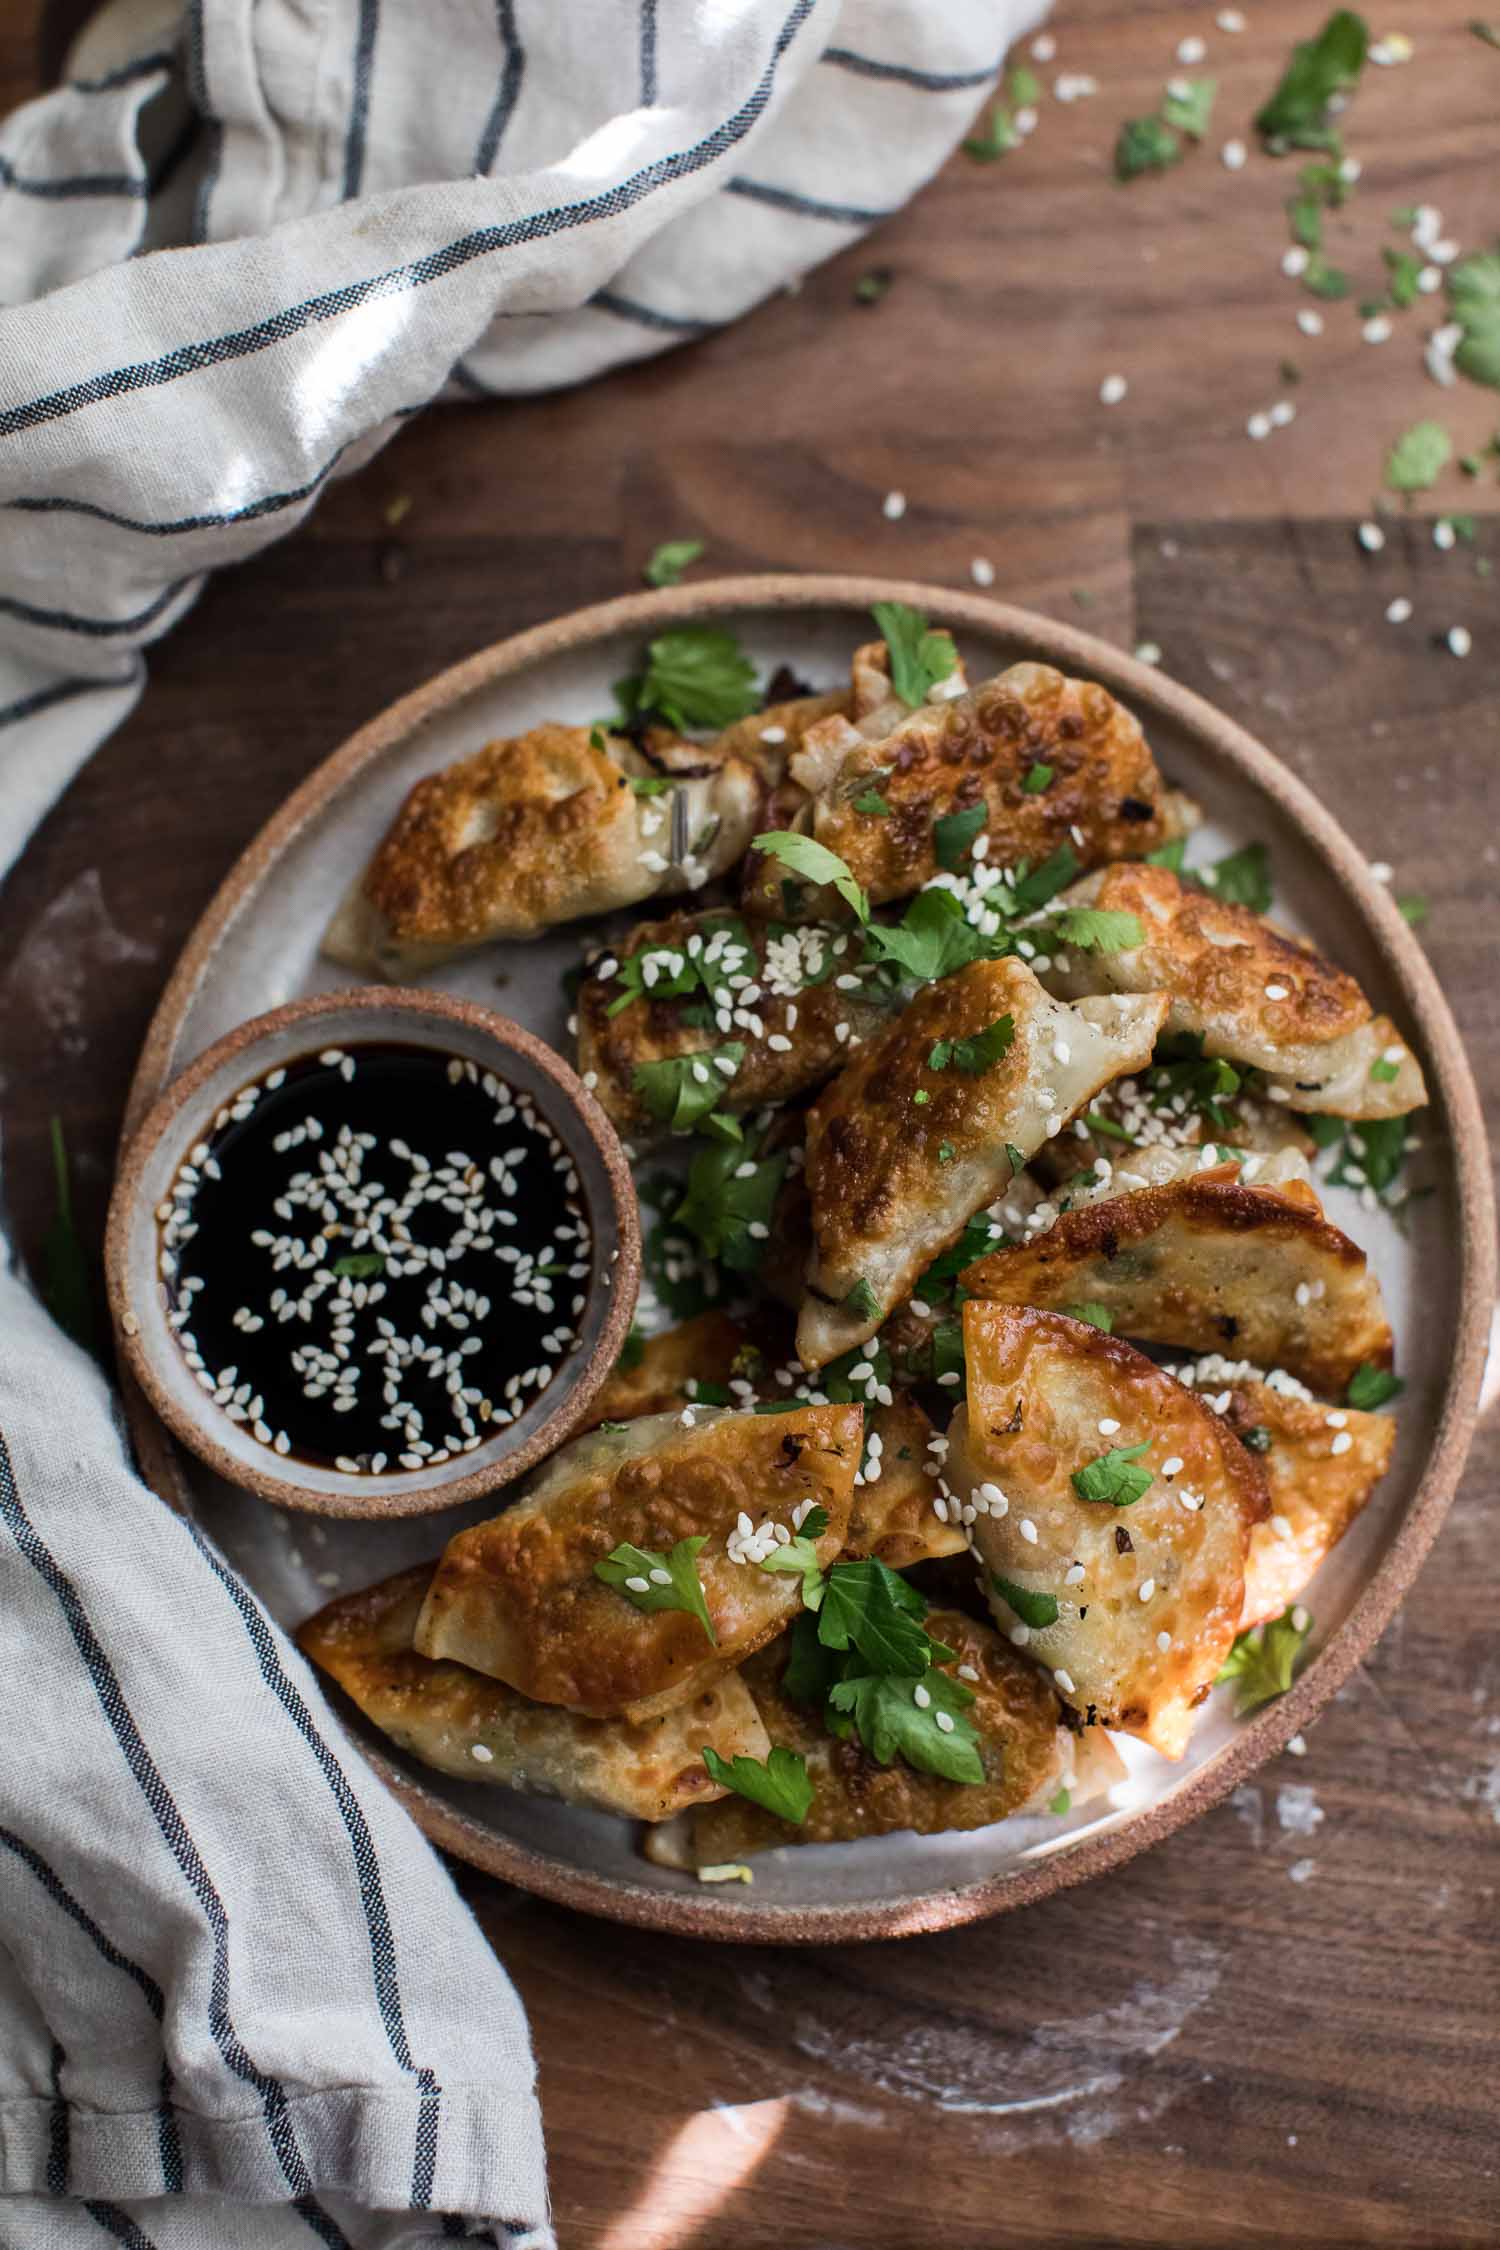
x,y
706,1349
891,1516
463,1724
1253,993
901,1153
1211,1264
517,1597
1149,1594
541,829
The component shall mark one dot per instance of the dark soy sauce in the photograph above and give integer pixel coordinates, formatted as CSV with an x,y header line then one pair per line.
x,y
378,1258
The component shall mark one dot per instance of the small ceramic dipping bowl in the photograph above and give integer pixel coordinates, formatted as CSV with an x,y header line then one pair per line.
x,y
148,1254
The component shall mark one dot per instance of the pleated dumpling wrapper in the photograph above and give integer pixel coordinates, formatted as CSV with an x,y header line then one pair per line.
x,y
1253,993
1104,797
655,1374
1027,1752
519,1597
1321,1465
538,830
1113,1516
930,1122
1208,1263
477,1730
892,1516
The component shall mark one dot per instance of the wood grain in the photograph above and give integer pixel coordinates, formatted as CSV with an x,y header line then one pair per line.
x,y
1205,2051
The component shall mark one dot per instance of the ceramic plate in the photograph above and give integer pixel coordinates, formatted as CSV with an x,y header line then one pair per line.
x,y
257,946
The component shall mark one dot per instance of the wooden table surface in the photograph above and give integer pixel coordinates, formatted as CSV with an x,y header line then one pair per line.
x,y
1260,2032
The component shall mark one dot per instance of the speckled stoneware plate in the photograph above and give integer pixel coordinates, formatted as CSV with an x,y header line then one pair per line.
x,y
257,946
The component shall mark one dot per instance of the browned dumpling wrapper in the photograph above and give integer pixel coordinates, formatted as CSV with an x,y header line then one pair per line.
x,y
706,1349
477,1730
537,830
892,1516
1209,1263
1025,1749
900,1154
1253,992
804,1002
1105,798
1149,1595
1321,1465
517,1598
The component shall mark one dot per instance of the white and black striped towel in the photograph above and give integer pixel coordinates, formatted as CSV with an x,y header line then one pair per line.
x,y
240,2005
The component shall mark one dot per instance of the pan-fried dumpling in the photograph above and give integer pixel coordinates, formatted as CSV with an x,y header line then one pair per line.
x,y
1105,797
913,1136
792,998
517,1597
1321,1464
1149,1591
1026,1751
892,1516
1253,993
542,829
1207,1262
477,1730
707,1349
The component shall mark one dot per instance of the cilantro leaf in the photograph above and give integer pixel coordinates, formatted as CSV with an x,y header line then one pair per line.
x,y
1474,295
862,1301
1036,1610
998,138
801,1555
1324,280
1106,1128
919,656
695,676
815,863
1024,87
653,1582
871,801
1403,267
932,939
1418,458
1040,885
1189,105
779,1785
1145,144
1036,777
65,1269
953,836
872,286
1114,1478
1413,908
1297,114
360,1265
730,1192
646,784
872,1609
1061,1803
891,1721
1097,1316
1263,1661
670,560
1242,878
680,1089
1017,1160
980,1236
973,1057
1373,1153
632,1351
1169,854
1370,1386
1099,929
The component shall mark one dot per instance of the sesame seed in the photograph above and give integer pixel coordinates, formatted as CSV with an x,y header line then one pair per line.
x,y
1107,1425
1232,156
1027,1530
1276,992
1191,50
1341,1443
1443,534
982,571
1172,1466
1020,1635
893,507
1112,390
966,1671
1282,413
1230,19
1300,1619
1043,47
773,735
1064,1681
944,1721
1258,426
1371,538
1146,1589
1148,652
1164,1642
481,1754
1460,640
1376,330
921,1697
1073,1575
1294,262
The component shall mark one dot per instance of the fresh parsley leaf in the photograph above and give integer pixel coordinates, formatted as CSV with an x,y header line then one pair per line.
x,y
724,1201
1096,929
1169,854
1190,105
1403,267
1097,1316
1024,87
632,1351
1106,1128
891,1721
1145,144
1418,458
980,1236
862,1301
919,656
1297,114
834,1379
1305,219
1242,878
1061,1803
1114,1478
1474,297
1256,1439
932,939
1017,1160
779,1785
801,1555
655,1582
1036,1610
695,676
1373,1153
871,801
360,1265
670,560
1036,777
815,863
1263,1661
1413,908
953,836
874,1610
1371,1386
812,1668
66,1291
1038,886
647,784
1324,280
1384,1072
945,1152
872,286
681,1089
973,1057
998,138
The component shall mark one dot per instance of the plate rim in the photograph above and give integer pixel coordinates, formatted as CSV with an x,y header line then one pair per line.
x,y
1226,744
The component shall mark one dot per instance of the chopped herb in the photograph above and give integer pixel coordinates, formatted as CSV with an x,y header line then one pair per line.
x,y
647,784
1373,1153
1115,1477
65,1269
872,1609
1418,458
1256,1439
695,676
1097,929
1040,885
670,560
1169,854
681,1089
1036,1610
801,1555
360,1265
980,1236
1474,299
945,1152
632,1351
815,863
1024,88
872,286
1324,280
779,1784
1297,114
871,801
973,1057
1243,878
724,1201
598,739
998,138
1262,1661
890,1721
1061,1803
862,1301
1305,218
1036,778
1145,144
919,656
921,1096
932,938
1403,267
1384,1072
1413,907
1017,1160
1190,105
636,1572
1097,1122
953,836
1371,1386
1097,1316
